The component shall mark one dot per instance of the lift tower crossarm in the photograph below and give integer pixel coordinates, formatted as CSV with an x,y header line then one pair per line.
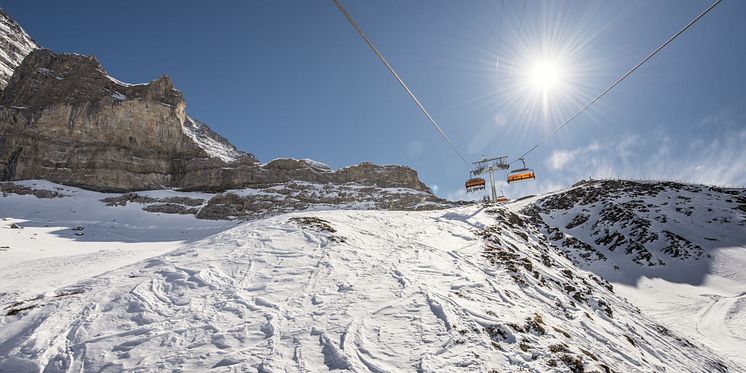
x,y
490,165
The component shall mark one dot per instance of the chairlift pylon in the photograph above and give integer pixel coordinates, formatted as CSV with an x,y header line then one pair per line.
x,y
485,165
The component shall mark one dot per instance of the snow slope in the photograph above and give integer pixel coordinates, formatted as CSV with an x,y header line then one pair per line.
x,y
463,289
15,44
677,251
213,144
49,252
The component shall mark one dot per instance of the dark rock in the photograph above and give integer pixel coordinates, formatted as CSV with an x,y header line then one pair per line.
x,y
10,188
168,208
127,197
186,201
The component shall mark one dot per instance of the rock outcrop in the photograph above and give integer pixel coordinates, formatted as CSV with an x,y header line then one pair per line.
x,y
15,44
63,119
254,203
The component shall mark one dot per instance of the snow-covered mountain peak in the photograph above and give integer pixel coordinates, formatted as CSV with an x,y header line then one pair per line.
x,y
624,229
15,44
214,145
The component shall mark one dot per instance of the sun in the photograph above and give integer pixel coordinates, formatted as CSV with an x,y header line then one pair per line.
x,y
545,81
545,75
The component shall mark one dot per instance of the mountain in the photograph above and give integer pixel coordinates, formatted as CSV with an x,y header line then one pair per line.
x,y
63,119
625,229
461,289
15,44
677,250
136,238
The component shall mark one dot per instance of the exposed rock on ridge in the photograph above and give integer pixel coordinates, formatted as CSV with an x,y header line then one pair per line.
x,y
63,119
15,44
662,228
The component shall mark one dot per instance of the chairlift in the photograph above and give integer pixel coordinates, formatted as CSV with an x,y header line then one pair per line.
x,y
474,184
521,174
501,198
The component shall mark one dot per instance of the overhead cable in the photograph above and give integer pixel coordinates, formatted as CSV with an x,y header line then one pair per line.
x,y
628,73
399,79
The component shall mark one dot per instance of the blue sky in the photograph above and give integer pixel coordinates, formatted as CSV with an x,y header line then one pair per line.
x,y
291,78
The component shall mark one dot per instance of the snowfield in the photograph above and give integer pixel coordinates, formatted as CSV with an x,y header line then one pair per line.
x,y
463,289
68,239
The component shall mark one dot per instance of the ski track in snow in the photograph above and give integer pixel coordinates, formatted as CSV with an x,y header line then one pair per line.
x,y
713,322
387,292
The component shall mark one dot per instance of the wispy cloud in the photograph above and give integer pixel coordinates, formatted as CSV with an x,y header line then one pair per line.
x,y
562,158
720,160
714,153
461,195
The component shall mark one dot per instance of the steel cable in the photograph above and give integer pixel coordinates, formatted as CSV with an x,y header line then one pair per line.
x,y
692,22
399,79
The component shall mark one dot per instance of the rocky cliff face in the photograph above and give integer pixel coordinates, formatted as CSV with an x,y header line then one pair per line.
x,y
63,119
15,44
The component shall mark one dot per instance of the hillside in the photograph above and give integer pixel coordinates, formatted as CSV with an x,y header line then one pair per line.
x,y
461,289
677,250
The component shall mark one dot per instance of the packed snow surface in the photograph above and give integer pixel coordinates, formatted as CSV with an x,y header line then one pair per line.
x,y
464,289
64,240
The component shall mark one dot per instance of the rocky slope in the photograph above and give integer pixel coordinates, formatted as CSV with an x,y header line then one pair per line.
x,y
15,44
675,250
234,204
63,119
621,227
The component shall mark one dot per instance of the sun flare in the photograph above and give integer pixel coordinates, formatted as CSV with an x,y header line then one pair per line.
x,y
545,75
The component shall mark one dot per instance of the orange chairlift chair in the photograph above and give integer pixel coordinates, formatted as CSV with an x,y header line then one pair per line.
x,y
521,174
